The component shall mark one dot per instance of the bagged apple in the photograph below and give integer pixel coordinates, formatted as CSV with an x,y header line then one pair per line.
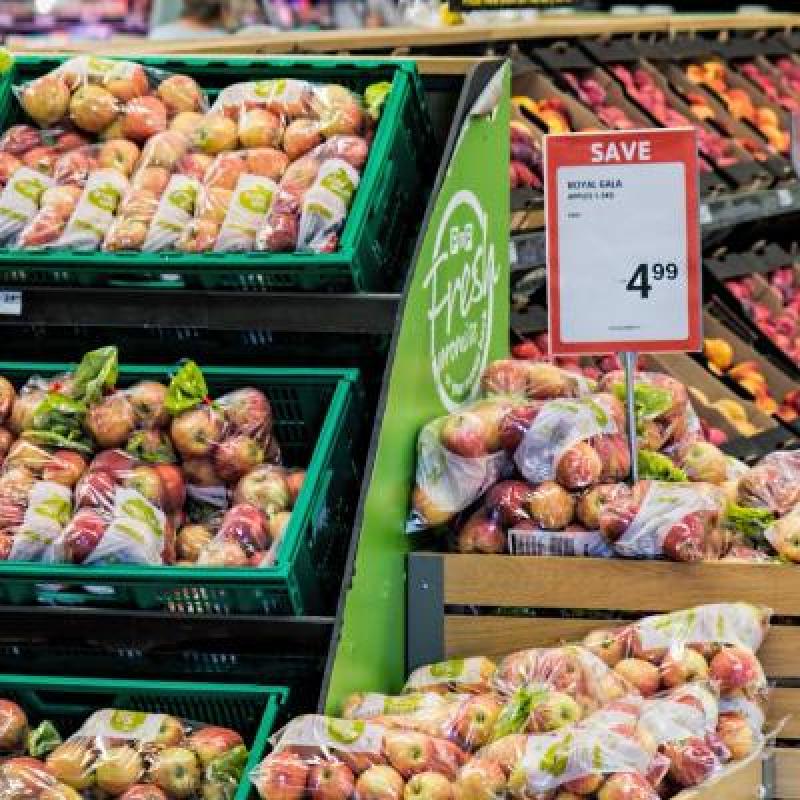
x,y
20,201
14,728
85,223
112,98
459,456
577,443
602,757
471,675
130,753
466,720
314,756
534,380
26,777
773,484
670,520
784,536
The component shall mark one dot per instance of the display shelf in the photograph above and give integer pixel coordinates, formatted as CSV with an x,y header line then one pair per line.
x,y
218,310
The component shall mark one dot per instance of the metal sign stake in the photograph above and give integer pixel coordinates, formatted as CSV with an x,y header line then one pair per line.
x,y
629,365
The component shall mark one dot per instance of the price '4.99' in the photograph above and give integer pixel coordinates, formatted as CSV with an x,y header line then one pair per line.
x,y
644,274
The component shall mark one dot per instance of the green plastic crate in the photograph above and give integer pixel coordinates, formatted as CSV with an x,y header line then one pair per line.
x,y
381,224
250,709
316,413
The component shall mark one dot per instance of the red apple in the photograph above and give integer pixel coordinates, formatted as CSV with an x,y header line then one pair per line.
x,y
330,781
95,489
115,462
191,540
474,722
736,734
46,99
294,482
196,432
82,535
148,400
93,108
627,786
18,139
236,456
144,117
111,421
465,434
686,540
246,525
180,93
482,779
692,761
428,786
65,467
408,752
248,410
482,533
200,472
510,499
642,675
609,646
283,776
265,488
13,726
23,408
735,668
145,480
212,742
143,791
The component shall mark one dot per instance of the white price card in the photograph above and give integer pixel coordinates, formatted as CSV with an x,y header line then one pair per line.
x,y
10,303
623,247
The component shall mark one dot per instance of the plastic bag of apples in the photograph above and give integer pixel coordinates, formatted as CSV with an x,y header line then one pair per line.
x,y
316,757
112,98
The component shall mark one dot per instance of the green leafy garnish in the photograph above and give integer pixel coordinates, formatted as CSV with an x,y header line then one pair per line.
x,y
58,422
375,96
229,767
515,713
43,739
95,375
657,467
187,389
649,401
151,447
751,522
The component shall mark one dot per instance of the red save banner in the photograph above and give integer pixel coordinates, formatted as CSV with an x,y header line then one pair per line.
x,y
623,242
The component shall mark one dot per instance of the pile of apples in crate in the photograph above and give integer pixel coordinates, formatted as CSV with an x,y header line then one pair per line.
x,y
539,464
126,157
116,753
636,713
95,474
773,303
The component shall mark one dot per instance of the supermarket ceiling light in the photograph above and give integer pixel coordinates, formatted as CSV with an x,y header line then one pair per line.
x,y
44,6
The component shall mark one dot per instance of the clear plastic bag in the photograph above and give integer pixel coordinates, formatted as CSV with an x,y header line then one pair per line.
x,y
577,443
773,484
473,675
535,380
20,201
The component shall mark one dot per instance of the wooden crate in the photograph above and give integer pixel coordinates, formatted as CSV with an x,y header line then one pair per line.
x,y
444,590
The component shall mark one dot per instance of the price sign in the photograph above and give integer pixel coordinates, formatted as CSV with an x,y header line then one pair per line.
x,y
623,242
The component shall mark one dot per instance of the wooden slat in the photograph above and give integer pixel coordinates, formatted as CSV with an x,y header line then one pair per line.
x,y
784,704
496,636
739,782
787,774
513,581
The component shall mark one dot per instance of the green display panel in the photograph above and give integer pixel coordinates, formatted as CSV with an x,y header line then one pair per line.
x,y
454,320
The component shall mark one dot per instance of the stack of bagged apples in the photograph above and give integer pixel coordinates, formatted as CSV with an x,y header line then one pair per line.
x,y
130,755
126,157
539,464
151,473
635,713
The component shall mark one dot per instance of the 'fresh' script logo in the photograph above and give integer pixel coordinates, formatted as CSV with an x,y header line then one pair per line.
x,y
461,294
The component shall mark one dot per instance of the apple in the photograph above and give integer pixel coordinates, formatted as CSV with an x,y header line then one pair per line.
x,y
277,524
26,454
191,540
60,792
260,128
248,410
379,782
117,769
95,489
408,752
425,508
223,553
148,400
330,781
301,136
44,159
283,776
93,108
551,506
735,668
72,763
684,667
609,646
18,139
144,117
427,786
225,171
23,777
510,499
115,462
200,472
215,134
236,456
294,482
150,179
6,440
475,720
46,100
579,466
185,122
557,710
506,752
482,779
143,791
692,761
627,786
212,742
265,488
177,771
194,165
13,726
641,674
685,540
119,154
65,467
111,421
9,164
180,93
482,533
173,486
196,432
199,236
170,733
465,434
145,480
81,537
736,734
446,758
247,526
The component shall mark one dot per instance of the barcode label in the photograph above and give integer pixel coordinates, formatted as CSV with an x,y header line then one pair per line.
x,y
558,543
10,303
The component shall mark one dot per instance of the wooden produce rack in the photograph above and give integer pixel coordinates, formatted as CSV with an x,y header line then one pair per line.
x,y
445,591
